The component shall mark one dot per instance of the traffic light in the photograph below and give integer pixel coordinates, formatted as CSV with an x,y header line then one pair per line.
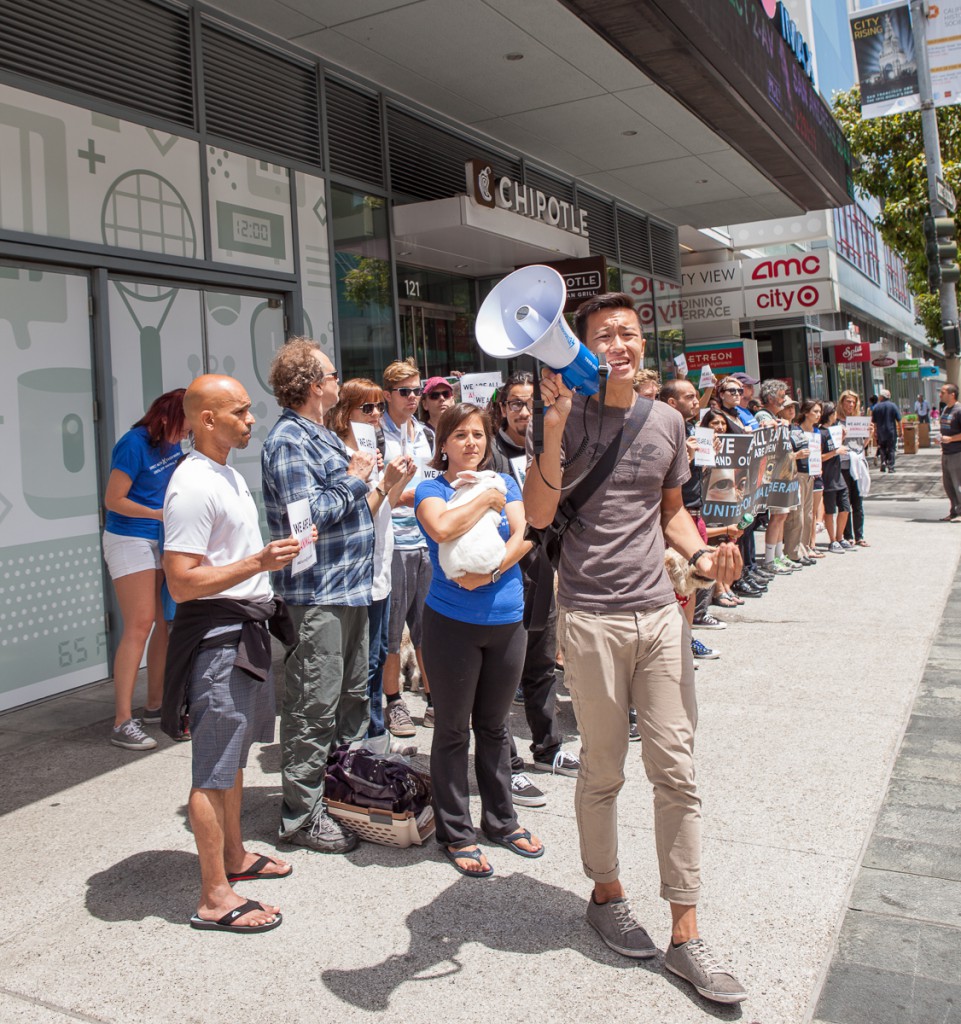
x,y
942,251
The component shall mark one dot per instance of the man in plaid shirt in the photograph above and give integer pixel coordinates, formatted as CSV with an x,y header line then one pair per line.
x,y
325,697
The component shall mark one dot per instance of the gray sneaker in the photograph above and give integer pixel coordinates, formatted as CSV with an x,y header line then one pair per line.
x,y
399,721
695,963
130,736
617,926
323,834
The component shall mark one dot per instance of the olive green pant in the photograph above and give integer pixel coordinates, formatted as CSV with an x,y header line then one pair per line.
x,y
325,702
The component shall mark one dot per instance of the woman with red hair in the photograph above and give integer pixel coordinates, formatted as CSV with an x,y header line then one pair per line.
x,y
141,465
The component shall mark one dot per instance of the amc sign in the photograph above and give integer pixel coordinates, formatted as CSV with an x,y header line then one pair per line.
x,y
789,285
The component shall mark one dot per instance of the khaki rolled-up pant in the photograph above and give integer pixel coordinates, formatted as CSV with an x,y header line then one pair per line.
x,y
613,662
800,521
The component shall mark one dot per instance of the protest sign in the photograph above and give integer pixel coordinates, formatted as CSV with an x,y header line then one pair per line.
x,y
814,453
479,388
366,437
680,362
704,456
708,380
837,435
302,528
751,472
858,426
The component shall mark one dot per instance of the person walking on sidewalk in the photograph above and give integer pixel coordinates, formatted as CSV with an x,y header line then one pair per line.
x,y
625,639
325,669
886,417
951,450
218,660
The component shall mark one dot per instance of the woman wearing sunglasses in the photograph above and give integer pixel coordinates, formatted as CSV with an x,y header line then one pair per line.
x,y
362,401
438,397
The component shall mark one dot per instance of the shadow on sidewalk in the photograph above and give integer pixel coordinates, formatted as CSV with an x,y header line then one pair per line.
x,y
154,883
511,913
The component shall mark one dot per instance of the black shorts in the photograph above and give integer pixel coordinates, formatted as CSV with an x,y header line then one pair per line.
x,y
836,501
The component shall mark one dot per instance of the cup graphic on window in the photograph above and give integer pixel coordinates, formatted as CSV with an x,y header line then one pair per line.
x,y
57,442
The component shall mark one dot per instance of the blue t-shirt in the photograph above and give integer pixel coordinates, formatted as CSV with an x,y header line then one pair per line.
x,y
150,469
747,418
494,604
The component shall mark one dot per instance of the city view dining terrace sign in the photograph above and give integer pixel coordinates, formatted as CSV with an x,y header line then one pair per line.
x,y
773,286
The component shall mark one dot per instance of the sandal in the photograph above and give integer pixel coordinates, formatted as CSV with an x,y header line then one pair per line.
x,y
475,855
511,841
725,601
256,871
862,543
227,922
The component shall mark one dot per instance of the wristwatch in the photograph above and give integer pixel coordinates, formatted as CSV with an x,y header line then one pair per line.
x,y
496,575
381,491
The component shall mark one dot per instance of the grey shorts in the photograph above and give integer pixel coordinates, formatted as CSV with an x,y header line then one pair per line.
x,y
228,710
410,574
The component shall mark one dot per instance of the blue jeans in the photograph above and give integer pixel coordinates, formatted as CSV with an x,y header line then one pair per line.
x,y
378,619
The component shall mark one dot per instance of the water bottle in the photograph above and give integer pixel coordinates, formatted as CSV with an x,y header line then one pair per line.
x,y
745,521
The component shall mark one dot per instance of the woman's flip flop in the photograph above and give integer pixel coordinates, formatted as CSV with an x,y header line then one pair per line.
x,y
512,840
475,855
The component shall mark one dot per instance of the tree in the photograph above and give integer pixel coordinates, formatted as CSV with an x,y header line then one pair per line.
x,y
889,164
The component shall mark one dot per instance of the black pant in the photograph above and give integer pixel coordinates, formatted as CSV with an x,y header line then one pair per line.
x,y
539,686
746,544
474,671
854,528
887,450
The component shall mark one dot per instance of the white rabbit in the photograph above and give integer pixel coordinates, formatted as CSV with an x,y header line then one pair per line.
x,y
481,549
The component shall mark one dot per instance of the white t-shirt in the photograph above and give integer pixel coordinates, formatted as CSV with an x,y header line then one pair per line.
x,y
209,511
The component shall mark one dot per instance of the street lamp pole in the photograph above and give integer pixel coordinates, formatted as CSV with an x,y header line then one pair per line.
x,y
932,159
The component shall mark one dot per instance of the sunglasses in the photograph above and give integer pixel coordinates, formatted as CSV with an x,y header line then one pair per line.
x,y
407,392
733,391
516,405
329,376
435,394
368,407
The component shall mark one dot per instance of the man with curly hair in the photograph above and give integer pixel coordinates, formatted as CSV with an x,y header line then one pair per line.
x,y
325,697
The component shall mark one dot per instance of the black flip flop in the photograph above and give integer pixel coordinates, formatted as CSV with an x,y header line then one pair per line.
x,y
474,855
510,842
226,923
255,871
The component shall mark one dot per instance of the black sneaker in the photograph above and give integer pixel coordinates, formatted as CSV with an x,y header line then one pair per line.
x,y
519,696
745,588
633,733
524,793
707,621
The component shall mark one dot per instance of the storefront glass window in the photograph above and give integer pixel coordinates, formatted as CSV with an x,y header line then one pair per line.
x,y
365,303
437,321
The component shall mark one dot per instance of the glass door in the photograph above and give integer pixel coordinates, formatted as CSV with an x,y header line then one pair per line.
x,y
52,630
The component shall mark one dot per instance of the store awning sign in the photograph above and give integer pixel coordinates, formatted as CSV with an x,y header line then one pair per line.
x,y
883,362
583,278
908,365
854,353
485,189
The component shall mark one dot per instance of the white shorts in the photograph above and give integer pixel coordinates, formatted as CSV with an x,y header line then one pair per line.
x,y
126,555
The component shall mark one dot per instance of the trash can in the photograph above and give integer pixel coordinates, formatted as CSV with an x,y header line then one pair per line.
x,y
910,438
924,435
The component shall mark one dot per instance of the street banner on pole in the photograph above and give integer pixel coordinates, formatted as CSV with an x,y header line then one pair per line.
x,y
944,53
884,51
752,472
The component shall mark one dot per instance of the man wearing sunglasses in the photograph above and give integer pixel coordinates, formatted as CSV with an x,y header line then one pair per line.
x,y
325,671
437,399
410,570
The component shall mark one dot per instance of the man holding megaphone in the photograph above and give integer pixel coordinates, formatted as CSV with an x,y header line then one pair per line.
x,y
625,639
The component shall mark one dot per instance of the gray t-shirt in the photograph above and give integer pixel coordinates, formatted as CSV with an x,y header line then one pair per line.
x,y
616,564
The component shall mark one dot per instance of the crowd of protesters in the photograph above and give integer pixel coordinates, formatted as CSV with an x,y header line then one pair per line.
x,y
378,594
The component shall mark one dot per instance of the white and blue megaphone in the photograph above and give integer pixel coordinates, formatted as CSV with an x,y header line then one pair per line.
x,y
524,316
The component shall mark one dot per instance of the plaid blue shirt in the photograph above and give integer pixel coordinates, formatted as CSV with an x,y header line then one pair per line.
x,y
302,459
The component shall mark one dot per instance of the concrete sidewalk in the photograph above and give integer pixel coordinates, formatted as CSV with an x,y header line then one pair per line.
x,y
800,722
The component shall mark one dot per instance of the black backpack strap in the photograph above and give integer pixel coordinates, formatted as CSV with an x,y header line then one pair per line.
x,y
546,554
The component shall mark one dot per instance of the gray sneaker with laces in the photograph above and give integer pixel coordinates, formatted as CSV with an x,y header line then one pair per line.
x,y
399,722
694,962
131,736
616,924
323,834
